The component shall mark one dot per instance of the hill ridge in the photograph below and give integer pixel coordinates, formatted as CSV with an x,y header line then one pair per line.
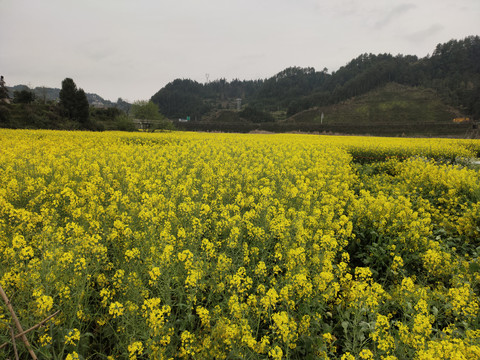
x,y
453,71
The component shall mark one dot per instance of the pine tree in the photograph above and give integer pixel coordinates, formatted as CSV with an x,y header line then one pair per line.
x,y
68,98
74,102
82,108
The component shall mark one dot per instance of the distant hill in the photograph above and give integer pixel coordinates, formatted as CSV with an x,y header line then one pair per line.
x,y
390,110
452,73
53,94
44,111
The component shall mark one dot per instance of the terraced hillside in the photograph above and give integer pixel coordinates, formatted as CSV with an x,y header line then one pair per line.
x,y
388,105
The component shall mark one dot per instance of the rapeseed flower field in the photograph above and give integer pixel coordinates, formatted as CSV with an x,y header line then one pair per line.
x,y
221,246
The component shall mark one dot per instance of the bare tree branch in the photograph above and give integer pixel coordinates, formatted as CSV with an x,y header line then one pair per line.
x,y
17,323
14,343
41,323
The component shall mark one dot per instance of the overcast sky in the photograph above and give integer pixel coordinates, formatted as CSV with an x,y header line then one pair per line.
x,y
131,49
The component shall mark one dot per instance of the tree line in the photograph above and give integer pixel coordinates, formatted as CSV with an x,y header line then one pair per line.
x,y
72,111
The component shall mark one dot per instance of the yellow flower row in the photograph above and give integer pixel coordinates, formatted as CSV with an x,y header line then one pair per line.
x,y
222,246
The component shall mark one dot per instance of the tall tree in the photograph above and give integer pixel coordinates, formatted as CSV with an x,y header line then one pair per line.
x,y
74,102
68,97
82,108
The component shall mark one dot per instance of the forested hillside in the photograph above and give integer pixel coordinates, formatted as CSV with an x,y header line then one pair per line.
x,y
453,71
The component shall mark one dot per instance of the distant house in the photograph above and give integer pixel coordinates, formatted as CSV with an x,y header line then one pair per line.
x,y
461,120
98,104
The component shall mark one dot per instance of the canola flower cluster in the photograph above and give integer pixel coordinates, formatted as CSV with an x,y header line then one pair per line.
x,y
221,246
